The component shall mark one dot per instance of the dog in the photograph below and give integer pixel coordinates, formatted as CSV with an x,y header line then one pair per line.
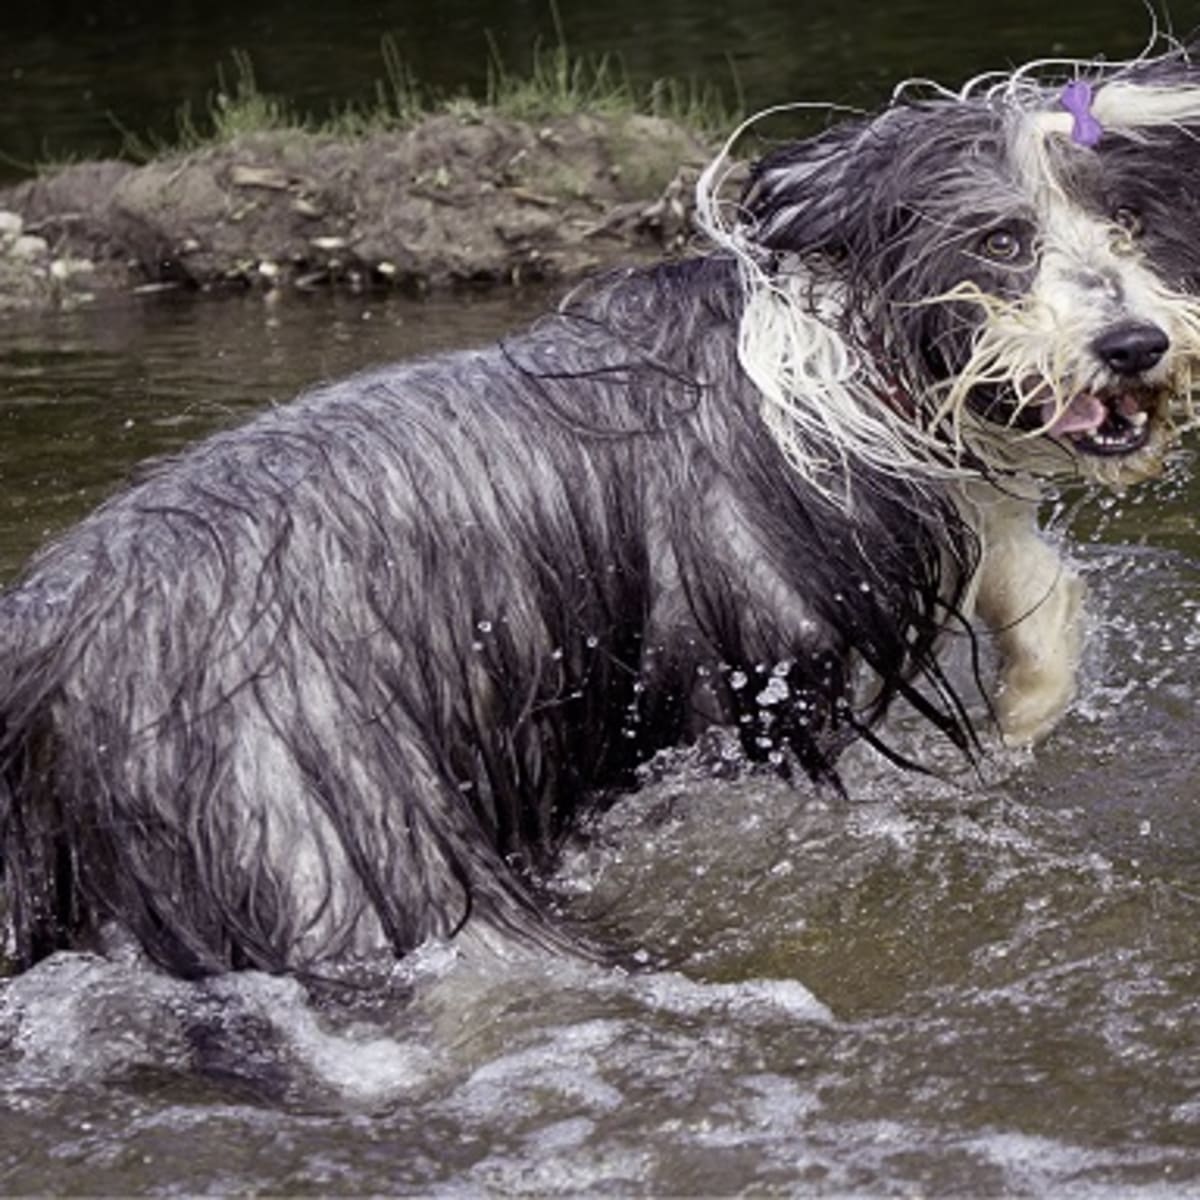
x,y
337,682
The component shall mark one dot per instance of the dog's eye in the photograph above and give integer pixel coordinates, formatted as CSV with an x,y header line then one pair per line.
x,y
1129,219
1001,245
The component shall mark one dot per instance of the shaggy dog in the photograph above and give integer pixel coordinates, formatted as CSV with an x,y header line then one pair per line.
x,y
334,683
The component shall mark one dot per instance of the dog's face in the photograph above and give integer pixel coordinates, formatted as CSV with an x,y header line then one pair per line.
x,y
1031,291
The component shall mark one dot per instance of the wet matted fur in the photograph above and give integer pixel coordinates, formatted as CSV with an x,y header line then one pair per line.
x,y
336,682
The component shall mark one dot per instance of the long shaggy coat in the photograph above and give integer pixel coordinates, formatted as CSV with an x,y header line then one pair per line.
x,y
336,682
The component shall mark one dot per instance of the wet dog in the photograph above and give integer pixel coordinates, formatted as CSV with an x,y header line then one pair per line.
x,y
336,682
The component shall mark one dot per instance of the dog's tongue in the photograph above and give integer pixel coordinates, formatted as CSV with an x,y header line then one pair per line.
x,y
1084,413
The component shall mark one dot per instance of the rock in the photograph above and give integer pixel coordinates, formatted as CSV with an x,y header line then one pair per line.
x,y
64,269
242,175
306,208
29,246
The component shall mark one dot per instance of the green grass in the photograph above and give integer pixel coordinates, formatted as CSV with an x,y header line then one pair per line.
x,y
237,107
558,83
561,83
240,107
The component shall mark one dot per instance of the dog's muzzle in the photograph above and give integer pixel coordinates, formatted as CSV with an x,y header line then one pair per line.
x,y
1117,420
1110,420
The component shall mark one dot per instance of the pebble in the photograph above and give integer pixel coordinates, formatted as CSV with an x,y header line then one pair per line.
x,y
29,246
67,268
11,224
306,208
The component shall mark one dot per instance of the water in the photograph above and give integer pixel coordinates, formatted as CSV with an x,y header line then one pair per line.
x,y
964,984
84,396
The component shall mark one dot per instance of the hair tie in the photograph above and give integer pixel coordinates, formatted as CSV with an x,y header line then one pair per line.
x,y
1076,98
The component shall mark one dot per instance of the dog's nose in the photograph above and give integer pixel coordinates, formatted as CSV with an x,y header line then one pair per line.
x,y
1131,349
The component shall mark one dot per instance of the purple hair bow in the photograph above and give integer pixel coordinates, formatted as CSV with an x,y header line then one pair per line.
x,y
1076,98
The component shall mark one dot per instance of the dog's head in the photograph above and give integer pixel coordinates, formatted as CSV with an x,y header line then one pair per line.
x,y
1013,268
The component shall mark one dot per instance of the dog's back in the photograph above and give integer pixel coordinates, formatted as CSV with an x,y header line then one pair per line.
x,y
334,682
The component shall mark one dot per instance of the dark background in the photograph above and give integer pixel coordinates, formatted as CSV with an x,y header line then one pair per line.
x,y
73,74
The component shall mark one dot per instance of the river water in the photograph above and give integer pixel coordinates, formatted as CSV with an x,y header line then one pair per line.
x,y
965,984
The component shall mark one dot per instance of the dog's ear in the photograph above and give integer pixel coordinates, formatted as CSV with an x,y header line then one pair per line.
x,y
813,197
837,195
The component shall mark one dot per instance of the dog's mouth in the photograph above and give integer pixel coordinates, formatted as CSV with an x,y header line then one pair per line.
x,y
1105,423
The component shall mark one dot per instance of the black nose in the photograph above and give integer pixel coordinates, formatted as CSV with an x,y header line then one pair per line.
x,y
1131,349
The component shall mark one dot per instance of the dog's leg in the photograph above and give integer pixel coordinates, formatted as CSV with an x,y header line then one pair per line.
x,y
1031,600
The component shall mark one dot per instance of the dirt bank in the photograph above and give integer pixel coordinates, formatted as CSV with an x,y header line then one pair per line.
x,y
457,199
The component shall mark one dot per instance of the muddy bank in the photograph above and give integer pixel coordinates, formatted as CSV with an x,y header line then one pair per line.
x,y
457,199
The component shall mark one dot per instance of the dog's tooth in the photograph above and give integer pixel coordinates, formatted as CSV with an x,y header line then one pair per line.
x,y
1139,418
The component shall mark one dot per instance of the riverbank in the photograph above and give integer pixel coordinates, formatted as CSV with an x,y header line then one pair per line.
x,y
464,198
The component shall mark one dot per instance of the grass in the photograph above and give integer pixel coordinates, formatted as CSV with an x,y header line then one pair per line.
x,y
558,83
236,108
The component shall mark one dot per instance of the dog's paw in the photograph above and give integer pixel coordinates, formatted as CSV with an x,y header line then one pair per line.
x,y
1027,710
1041,657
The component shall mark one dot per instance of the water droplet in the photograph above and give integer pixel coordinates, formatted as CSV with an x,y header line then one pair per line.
x,y
774,693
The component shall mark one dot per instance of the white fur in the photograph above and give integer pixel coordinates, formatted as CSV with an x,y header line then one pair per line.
x,y
1031,600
